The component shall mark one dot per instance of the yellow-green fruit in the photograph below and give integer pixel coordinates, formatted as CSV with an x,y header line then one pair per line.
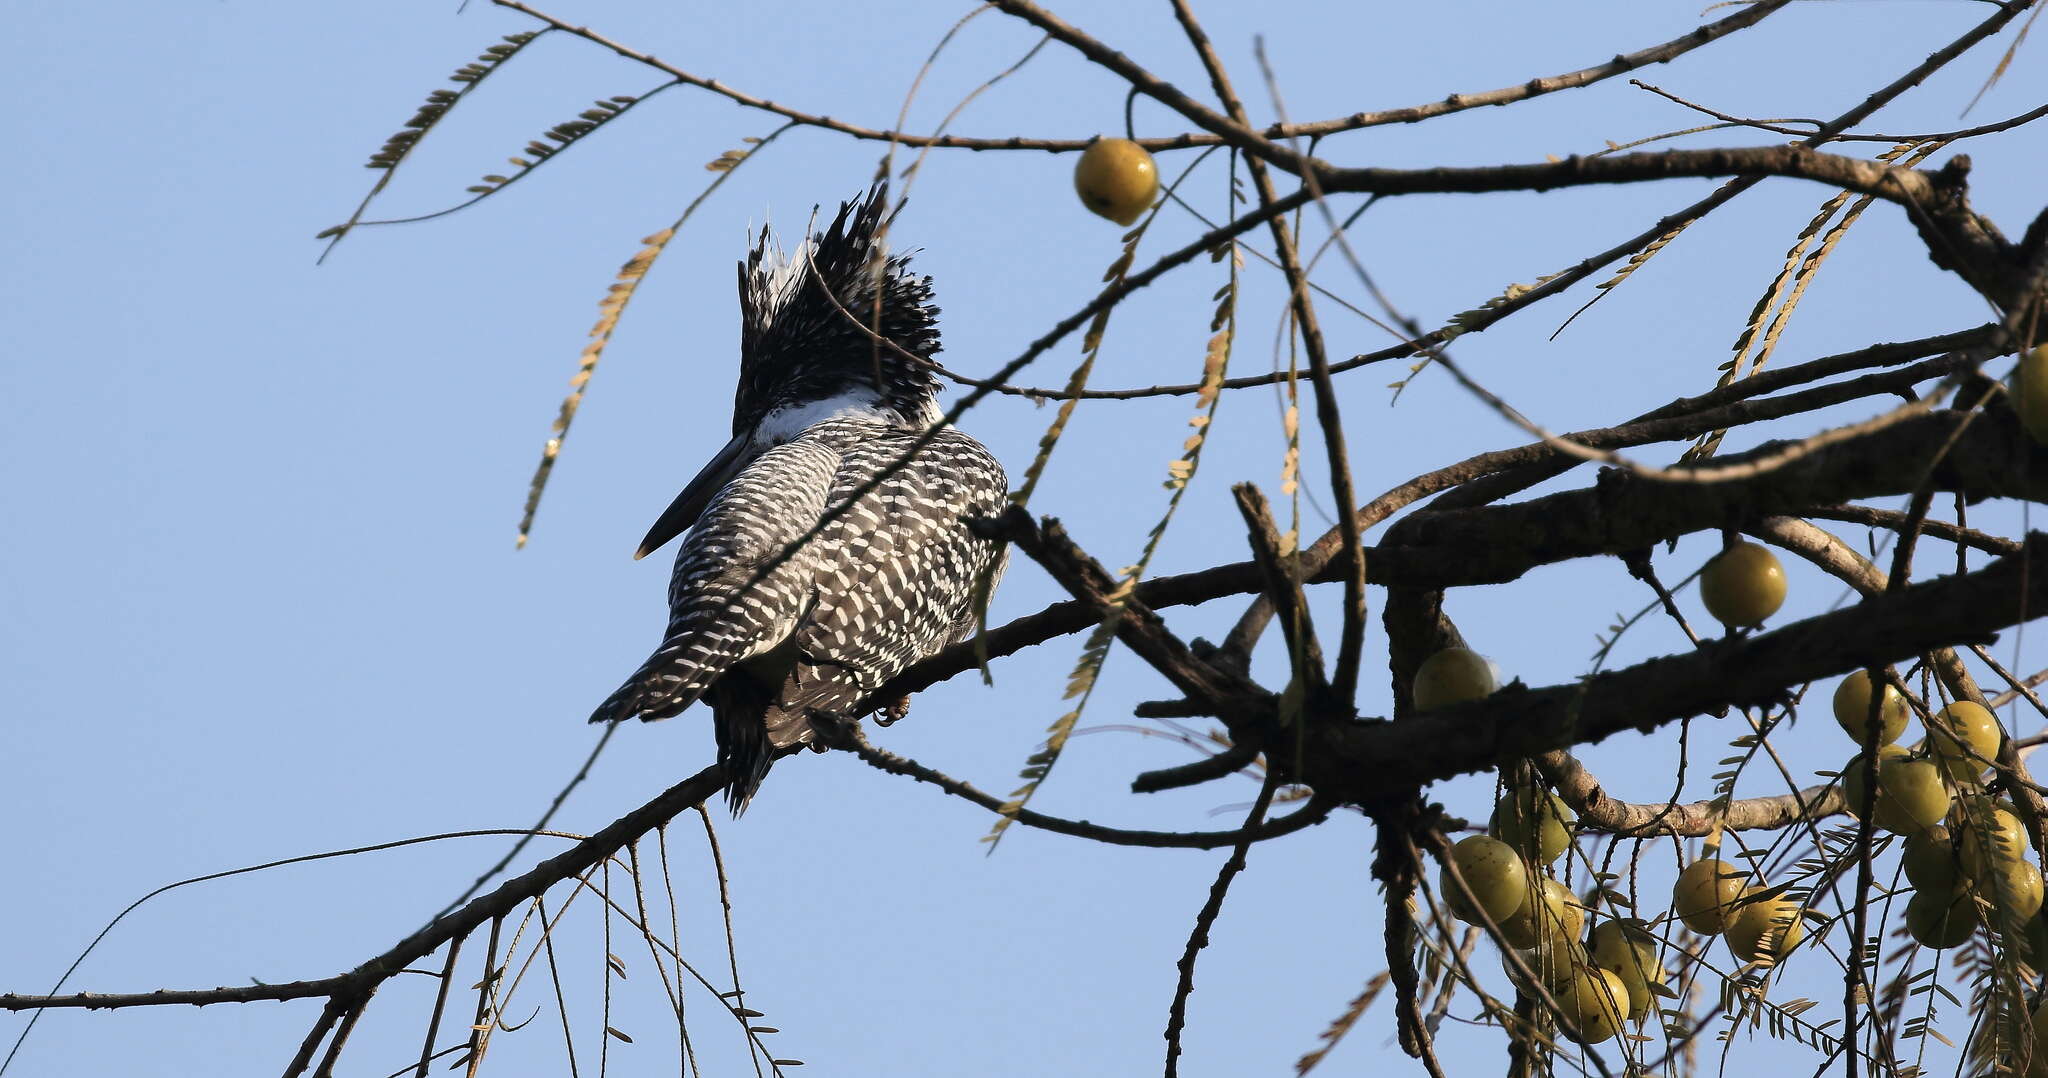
x,y
1743,585
1852,709
1931,861
1965,738
2013,888
1593,1001
1628,950
1941,919
1765,929
1452,676
1706,894
1911,796
1534,821
2030,393
1550,918
1493,872
1854,789
1549,964
1116,179
1989,830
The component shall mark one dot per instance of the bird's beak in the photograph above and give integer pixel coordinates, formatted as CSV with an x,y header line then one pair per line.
x,y
689,505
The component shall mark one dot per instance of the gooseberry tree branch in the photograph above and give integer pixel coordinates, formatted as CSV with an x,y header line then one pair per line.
x,y
1358,758
1315,812
1599,811
507,897
1466,547
1621,64
1351,643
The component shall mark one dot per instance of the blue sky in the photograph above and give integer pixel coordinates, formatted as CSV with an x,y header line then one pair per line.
x,y
258,558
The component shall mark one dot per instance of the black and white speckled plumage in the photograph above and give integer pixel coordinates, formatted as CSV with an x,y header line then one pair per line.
x,y
888,582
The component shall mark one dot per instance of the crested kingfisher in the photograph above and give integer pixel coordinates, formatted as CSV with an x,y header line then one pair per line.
x,y
822,555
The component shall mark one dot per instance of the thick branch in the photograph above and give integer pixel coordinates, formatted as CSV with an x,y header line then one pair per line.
x,y
1619,514
1985,458
1137,626
1358,759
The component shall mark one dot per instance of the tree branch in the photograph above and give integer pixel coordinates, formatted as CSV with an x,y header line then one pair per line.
x,y
1583,792
1463,547
357,983
1362,758
1315,812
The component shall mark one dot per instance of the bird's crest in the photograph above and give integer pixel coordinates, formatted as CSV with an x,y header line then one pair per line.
x,y
810,322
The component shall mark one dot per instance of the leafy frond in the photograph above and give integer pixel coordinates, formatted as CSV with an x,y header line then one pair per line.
x,y
2004,64
400,145
1342,1024
1628,269
1774,308
624,286
1179,472
537,153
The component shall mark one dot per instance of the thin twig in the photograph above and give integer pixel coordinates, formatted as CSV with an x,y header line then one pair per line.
x,y
1176,1014
1315,812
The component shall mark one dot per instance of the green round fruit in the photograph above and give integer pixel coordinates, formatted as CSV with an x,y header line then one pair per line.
x,y
1911,796
1629,951
1743,585
2013,889
1765,930
1116,178
1965,738
1493,872
1706,894
1988,829
1534,821
2030,393
1931,860
1852,709
1594,1002
1452,676
1549,964
1549,919
1941,919
1854,793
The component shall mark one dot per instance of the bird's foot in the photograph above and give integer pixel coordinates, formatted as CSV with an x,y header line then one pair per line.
x,y
833,730
893,710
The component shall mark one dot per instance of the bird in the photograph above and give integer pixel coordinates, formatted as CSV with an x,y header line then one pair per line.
x,y
828,544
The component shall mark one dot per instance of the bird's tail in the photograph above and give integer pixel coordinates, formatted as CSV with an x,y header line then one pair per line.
x,y
754,730
747,754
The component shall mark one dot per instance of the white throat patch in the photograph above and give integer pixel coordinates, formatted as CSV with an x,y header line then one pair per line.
x,y
785,424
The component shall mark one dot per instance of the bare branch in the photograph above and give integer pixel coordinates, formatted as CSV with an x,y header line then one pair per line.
x,y
1583,792
509,896
1315,812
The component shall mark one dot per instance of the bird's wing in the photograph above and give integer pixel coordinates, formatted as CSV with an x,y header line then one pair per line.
x,y
901,567
742,581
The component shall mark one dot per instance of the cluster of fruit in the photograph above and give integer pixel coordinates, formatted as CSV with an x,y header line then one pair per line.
x,y
1715,898
1612,977
1965,853
1598,984
1962,845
